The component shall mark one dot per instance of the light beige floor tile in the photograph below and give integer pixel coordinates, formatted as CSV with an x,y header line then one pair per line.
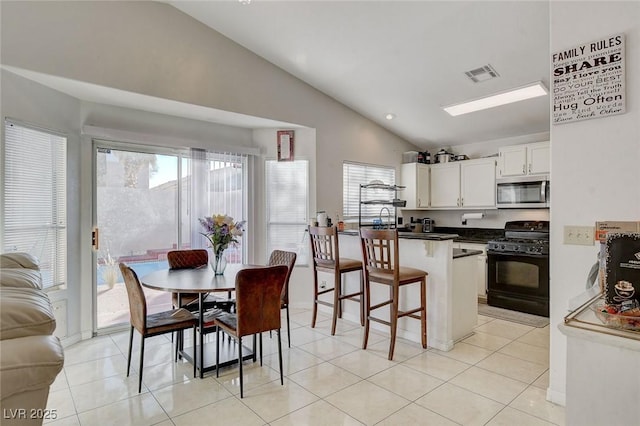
x,y
97,369
342,326
60,382
466,353
162,375
273,400
161,353
438,366
328,348
414,414
514,368
402,351
366,402
122,340
362,363
181,398
139,410
324,379
492,385
460,405
165,423
66,421
406,382
355,336
506,329
253,375
510,417
536,337
527,352
228,411
542,382
88,350
487,341
293,360
304,317
105,391
533,401
303,335
61,402
482,319
320,413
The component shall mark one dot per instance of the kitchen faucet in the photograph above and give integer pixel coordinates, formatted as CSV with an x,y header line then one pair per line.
x,y
388,216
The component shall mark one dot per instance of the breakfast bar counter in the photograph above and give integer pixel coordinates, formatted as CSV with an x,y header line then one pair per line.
x,y
451,290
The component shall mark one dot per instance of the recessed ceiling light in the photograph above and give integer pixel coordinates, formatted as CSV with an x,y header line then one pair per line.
x,y
529,91
389,116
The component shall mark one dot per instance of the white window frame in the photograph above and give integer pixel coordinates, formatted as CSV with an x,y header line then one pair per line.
x,y
34,198
300,245
356,174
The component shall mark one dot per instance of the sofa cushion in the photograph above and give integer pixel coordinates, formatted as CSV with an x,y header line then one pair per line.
x,y
29,363
20,277
18,260
25,312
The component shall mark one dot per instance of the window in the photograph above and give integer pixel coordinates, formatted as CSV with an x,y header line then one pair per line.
x,y
354,175
287,206
34,198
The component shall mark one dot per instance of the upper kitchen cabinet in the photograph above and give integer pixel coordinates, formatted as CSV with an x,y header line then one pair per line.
x,y
524,160
415,177
464,184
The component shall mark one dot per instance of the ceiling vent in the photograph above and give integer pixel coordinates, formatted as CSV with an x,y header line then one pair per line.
x,y
482,74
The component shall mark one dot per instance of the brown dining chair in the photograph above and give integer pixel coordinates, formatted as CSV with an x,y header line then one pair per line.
x,y
288,258
326,258
381,255
258,292
154,324
190,259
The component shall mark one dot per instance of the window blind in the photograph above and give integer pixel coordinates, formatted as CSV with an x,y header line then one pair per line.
x,y
35,202
287,189
356,174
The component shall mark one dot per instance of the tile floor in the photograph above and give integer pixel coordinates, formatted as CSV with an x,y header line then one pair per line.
x,y
498,376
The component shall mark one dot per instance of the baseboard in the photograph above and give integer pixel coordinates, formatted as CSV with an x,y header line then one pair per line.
x,y
556,397
482,299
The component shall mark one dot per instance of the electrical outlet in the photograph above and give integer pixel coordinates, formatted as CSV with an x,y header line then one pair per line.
x,y
579,235
323,284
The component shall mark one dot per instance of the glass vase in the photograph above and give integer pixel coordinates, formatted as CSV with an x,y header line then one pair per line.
x,y
218,262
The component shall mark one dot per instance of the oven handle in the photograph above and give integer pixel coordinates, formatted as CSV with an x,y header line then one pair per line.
x,y
502,253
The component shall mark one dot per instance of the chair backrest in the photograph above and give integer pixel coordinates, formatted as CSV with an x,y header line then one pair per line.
x,y
137,300
380,250
258,298
288,258
187,259
324,246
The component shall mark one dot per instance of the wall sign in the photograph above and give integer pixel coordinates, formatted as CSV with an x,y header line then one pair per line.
x,y
589,80
285,145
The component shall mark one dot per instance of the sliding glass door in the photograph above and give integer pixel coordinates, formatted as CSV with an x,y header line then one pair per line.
x,y
148,201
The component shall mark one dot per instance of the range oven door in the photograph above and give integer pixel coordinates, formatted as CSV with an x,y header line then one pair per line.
x,y
519,282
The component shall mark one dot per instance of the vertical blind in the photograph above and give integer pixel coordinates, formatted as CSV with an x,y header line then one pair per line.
x,y
356,174
34,195
287,190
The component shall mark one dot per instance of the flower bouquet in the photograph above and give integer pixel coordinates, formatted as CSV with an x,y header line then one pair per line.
x,y
221,231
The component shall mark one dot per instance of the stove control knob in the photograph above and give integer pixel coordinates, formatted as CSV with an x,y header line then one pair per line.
x,y
502,247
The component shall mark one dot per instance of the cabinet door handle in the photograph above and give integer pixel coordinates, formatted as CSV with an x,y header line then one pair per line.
x,y
524,168
458,202
462,201
419,203
529,167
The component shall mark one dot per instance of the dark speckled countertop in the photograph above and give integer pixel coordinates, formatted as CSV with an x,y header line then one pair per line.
x,y
472,235
458,253
437,236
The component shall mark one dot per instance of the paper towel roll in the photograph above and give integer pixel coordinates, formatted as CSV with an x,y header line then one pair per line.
x,y
466,216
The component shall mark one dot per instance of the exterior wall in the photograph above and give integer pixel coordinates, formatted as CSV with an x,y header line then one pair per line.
x,y
594,163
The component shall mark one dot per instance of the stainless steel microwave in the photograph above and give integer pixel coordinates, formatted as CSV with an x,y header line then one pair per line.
x,y
523,193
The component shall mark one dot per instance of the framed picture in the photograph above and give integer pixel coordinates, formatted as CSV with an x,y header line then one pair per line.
x,y
285,145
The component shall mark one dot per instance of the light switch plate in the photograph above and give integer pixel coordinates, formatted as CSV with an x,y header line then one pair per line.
x,y
579,235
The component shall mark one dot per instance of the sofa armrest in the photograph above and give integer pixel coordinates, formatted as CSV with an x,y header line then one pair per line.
x,y
19,260
25,312
29,363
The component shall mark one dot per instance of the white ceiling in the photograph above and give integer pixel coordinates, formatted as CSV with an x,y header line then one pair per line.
x,y
407,58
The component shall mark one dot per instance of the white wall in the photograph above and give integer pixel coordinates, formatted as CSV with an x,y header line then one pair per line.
x,y
594,163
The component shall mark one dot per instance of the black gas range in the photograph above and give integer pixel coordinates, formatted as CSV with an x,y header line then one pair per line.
x,y
518,268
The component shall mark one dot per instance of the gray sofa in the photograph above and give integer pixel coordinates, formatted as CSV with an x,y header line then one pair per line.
x,y
30,356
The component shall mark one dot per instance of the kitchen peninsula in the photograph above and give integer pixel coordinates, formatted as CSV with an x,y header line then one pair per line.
x,y
452,308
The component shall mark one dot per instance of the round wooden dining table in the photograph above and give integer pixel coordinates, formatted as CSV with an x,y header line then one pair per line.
x,y
202,281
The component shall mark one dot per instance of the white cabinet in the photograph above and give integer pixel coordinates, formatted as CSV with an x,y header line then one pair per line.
x,y
415,178
445,185
480,273
524,160
464,184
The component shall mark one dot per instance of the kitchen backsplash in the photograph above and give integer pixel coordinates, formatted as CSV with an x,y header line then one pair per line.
x,y
491,218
